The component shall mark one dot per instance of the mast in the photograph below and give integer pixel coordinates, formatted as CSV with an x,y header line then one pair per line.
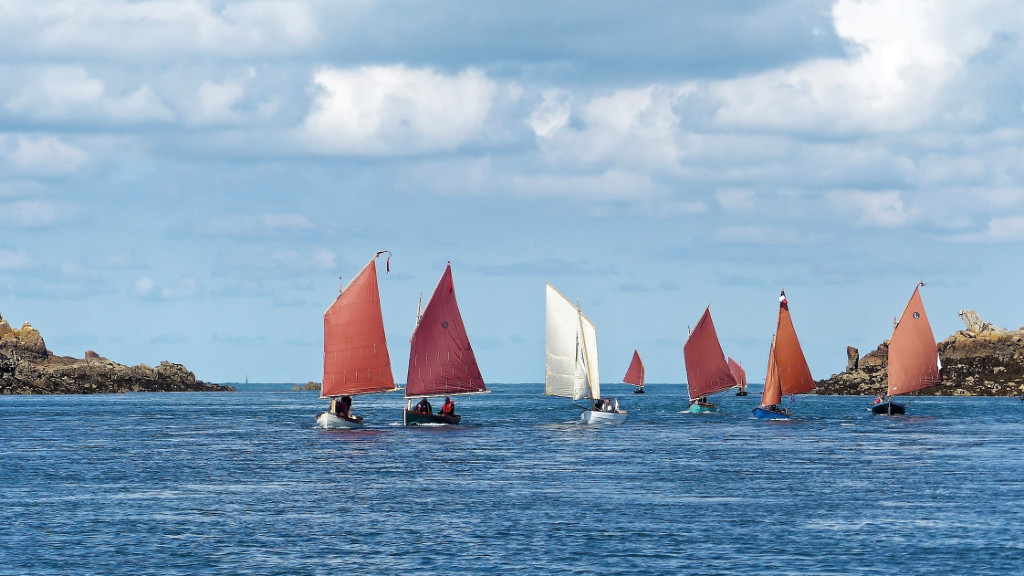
x,y
707,372
441,358
356,359
913,356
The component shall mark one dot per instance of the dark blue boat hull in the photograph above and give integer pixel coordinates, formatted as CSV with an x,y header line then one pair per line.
x,y
888,408
763,414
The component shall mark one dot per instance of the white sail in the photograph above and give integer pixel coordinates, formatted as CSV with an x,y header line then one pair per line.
x,y
571,346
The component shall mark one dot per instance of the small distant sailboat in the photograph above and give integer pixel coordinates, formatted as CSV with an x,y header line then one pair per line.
x,y
635,373
740,375
788,372
571,369
356,359
441,359
913,356
707,372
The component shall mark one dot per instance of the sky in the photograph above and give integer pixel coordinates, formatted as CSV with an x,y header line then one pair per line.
x,y
188,180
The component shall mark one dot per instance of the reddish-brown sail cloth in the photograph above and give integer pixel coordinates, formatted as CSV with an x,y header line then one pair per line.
x,y
772,394
441,359
794,374
738,372
635,372
913,355
356,359
706,369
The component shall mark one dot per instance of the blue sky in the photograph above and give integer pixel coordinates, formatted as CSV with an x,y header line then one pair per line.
x,y
186,180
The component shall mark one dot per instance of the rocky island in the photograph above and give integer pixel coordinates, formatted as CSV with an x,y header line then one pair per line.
x,y
27,367
981,360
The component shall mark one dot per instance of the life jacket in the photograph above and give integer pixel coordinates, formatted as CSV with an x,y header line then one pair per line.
x,y
448,409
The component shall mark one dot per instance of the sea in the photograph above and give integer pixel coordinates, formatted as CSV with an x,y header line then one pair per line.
x,y
245,483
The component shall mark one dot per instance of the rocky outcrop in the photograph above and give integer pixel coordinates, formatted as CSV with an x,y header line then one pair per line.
x,y
27,367
981,360
307,386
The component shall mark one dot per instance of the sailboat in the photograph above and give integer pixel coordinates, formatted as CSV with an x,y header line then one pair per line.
x,y
788,372
740,375
571,359
913,356
635,373
707,372
441,359
356,359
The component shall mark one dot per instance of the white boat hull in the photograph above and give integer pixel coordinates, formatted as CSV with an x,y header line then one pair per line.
x,y
332,422
594,417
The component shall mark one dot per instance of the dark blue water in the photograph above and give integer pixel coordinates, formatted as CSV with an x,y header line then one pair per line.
x,y
243,483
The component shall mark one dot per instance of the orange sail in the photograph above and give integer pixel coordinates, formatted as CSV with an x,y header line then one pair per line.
x,y
706,369
794,374
772,394
356,359
441,359
738,373
635,372
913,355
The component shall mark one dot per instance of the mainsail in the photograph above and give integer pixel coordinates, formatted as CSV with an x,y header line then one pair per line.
x,y
772,395
356,359
913,355
441,359
738,373
707,372
571,350
635,372
794,374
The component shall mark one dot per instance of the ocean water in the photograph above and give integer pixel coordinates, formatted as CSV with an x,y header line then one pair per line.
x,y
244,483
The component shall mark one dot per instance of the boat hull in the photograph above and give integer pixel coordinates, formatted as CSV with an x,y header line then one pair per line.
x,y
741,393
701,409
595,417
889,409
763,414
638,391
410,418
331,422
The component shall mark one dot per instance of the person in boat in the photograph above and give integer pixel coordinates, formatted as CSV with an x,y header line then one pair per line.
x,y
448,408
343,409
599,404
607,405
424,407
878,399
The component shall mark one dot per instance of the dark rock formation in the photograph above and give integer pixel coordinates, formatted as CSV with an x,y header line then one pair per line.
x,y
982,360
27,367
307,386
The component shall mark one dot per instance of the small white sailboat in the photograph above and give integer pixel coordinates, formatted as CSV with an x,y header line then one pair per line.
x,y
356,359
571,369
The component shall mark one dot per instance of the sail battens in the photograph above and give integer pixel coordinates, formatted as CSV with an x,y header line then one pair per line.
x,y
441,331
913,361
707,371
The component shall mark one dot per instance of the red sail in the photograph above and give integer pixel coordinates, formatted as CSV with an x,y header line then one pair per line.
x,y
635,372
794,374
706,369
441,360
356,357
772,394
913,355
738,372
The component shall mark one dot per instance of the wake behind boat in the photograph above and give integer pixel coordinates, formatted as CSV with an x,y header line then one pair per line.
x,y
913,361
707,371
571,369
356,359
441,359
788,372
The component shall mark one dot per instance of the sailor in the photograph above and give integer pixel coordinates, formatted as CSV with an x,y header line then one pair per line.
x,y
424,407
448,409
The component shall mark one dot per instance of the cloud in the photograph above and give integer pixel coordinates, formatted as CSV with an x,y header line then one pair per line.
x,y
14,259
215,102
256,226
69,93
40,156
999,229
882,209
284,263
36,213
387,110
552,114
146,288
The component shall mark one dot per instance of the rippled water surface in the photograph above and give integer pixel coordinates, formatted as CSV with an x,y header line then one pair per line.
x,y
244,483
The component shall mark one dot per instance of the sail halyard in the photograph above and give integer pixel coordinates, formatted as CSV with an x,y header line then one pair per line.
x,y
441,358
913,357
356,359
707,371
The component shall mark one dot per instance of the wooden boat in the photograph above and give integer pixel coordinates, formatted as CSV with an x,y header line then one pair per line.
x,y
441,359
788,372
707,371
635,373
571,369
740,375
913,356
356,359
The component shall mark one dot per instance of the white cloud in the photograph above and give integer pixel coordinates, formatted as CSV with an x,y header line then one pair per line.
x,y
882,209
552,114
382,110
215,102
262,225
40,156
71,93
146,288
14,259
35,213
